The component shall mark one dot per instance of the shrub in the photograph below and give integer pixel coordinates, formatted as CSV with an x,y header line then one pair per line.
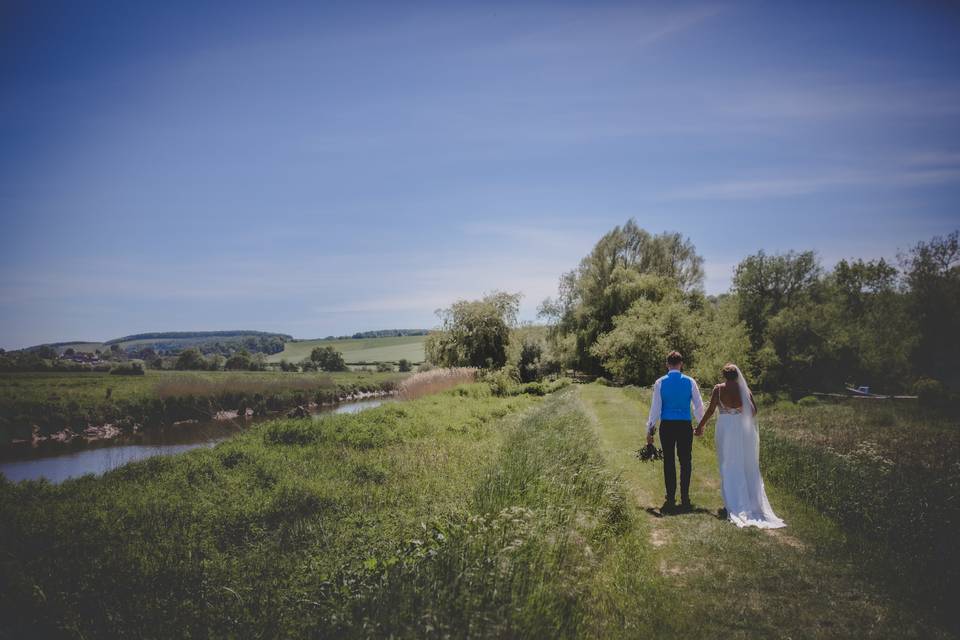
x,y
808,401
239,361
529,364
534,389
328,359
403,365
929,392
191,360
503,381
130,369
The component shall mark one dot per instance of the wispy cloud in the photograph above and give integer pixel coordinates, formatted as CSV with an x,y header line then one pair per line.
x,y
817,97
778,187
581,30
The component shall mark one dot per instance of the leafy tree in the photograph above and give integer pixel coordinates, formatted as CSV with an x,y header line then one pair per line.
x,y
626,265
45,352
635,349
475,333
529,364
191,360
403,365
722,338
328,359
239,361
69,351
258,362
874,319
932,271
766,284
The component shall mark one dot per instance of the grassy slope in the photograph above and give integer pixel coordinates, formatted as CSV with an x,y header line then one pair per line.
x,y
802,581
360,350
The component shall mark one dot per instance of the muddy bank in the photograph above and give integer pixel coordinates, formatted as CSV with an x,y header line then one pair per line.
x,y
129,426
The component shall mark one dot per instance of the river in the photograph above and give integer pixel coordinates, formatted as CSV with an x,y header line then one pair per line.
x,y
57,462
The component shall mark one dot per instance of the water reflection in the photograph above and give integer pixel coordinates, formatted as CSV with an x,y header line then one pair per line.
x,y
57,462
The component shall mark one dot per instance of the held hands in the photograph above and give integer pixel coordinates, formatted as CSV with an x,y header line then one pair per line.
x,y
699,430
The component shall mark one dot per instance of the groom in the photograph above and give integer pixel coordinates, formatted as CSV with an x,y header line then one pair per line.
x,y
672,395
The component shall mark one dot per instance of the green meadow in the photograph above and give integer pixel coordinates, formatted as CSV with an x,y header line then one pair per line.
x,y
465,514
358,350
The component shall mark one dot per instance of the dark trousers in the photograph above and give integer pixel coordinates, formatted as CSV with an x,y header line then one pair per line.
x,y
677,435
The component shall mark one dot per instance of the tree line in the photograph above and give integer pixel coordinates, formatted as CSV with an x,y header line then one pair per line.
x,y
790,323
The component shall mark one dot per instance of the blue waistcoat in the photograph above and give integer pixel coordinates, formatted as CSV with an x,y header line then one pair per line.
x,y
676,393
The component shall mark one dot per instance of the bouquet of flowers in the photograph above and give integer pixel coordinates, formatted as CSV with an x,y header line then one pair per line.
x,y
649,453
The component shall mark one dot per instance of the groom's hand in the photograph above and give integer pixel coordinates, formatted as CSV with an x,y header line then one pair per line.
x,y
698,431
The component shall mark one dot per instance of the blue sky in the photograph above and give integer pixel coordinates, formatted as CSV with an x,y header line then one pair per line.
x,y
324,168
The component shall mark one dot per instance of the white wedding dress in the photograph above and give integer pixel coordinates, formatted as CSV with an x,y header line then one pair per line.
x,y
738,452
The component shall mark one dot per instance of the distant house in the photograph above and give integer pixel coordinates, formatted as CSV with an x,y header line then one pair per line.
x,y
83,357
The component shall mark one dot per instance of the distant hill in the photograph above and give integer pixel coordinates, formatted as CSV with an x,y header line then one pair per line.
x,y
188,335
381,333
171,342
276,345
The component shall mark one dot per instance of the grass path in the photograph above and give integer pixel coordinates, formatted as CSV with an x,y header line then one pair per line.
x,y
714,579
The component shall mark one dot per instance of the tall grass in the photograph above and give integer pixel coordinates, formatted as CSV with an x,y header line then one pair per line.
x,y
517,563
887,473
458,514
179,386
237,540
434,381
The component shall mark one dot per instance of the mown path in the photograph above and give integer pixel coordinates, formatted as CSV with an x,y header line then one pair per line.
x,y
715,579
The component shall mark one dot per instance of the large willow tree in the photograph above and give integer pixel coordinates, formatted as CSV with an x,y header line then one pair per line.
x,y
474,333
627,265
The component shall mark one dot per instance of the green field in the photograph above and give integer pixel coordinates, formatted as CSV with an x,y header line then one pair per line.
x,y
359,350
463,514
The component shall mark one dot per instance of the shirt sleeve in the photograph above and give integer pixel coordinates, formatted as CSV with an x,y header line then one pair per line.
x,y
697,400
655,404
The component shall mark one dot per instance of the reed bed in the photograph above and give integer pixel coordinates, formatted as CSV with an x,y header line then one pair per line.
x,y
435,381
887,473
55,401
178,387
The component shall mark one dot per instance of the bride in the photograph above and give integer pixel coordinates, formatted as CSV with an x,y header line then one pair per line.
x,y
738,453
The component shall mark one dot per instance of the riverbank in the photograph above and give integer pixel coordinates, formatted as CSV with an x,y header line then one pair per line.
x,y
44,407
57,462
